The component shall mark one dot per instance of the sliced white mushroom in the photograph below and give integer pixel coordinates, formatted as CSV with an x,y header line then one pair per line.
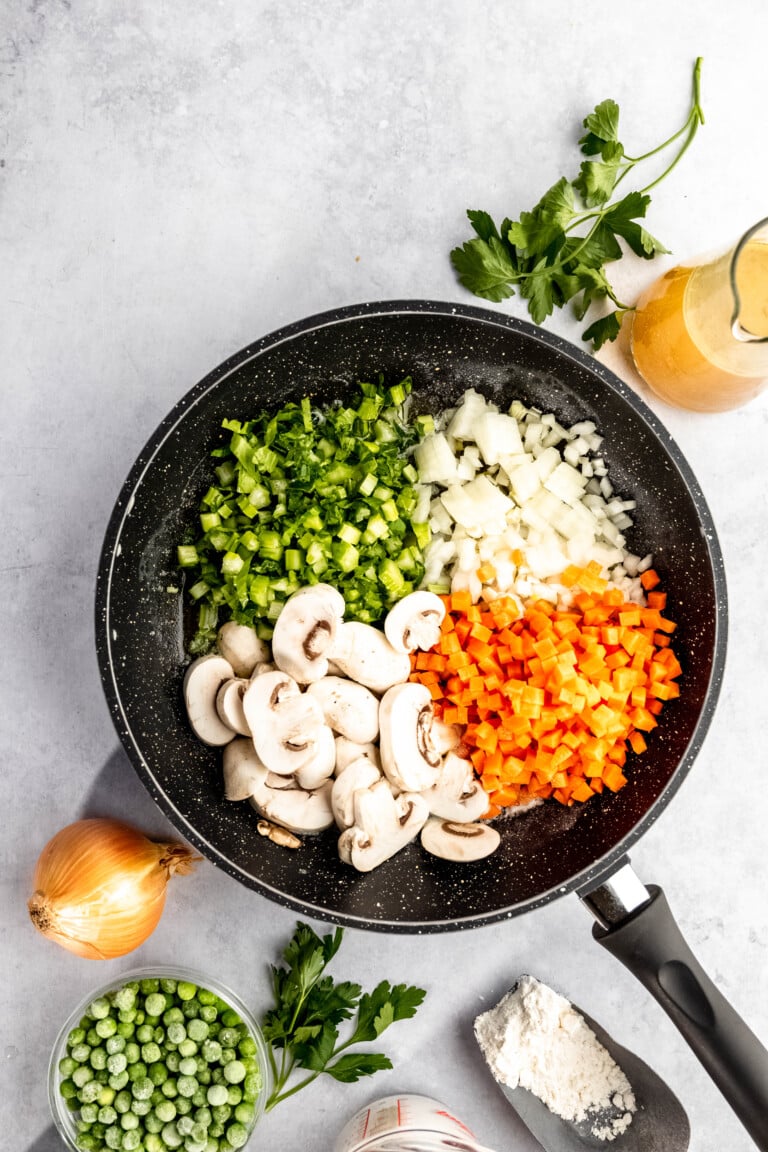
x,y
349,708
409,757
361,773
365,655
383,825
229,705
459,842
322,764
446,737
244,772
305,630
244,649
285,723
414,622
277,834
457,795
348,750
202,681
262,667
295,808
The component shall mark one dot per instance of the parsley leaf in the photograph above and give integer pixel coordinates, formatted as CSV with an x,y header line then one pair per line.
x,y
302,1028
557,251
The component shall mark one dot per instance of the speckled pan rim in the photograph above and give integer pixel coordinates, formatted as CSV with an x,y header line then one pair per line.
x,y
603,865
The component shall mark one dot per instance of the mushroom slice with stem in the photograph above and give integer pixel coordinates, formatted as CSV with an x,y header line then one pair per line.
x,y
414,622
382,825
262,667
349,750
322,764
285,723
446,737
363,653
459,842
458,795
409,757
241,645
361,773
244,772
298,809
202,681
229,705
349,708
305,631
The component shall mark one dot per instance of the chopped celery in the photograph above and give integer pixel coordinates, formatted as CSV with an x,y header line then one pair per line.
x,y
308,493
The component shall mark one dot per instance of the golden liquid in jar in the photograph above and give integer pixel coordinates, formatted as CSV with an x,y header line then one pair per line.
x,y
681,338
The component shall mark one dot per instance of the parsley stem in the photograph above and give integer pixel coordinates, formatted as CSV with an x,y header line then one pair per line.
x,y
696,115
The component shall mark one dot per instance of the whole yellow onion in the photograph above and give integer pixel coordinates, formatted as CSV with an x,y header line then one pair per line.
x,y
100,887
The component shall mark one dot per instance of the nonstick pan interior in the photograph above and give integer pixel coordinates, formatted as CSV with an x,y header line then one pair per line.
x,y
140,624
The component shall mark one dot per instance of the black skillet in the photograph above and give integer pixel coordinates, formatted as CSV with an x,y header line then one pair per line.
x,y
446,348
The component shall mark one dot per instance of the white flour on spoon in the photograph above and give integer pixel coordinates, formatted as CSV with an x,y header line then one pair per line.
x,y
535,1039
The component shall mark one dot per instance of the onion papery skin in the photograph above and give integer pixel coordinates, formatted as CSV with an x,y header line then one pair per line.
x,y
100,887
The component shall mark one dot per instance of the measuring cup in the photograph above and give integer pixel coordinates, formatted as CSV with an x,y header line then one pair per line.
x,y
406,1123
699,335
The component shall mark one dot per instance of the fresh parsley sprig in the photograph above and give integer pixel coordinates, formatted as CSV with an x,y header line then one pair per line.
x,y
302,1029
547,255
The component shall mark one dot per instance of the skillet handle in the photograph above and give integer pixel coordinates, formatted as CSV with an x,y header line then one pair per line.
x,y
648,941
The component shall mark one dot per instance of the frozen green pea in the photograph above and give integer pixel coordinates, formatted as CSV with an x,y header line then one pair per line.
x,y
126,1029
158,1073
183,1105
168,1088
171,1136
142,1088
247,1046
205,996
197,1030
129,1120
131,1141
155,1004
176,1032
89,1092
185,990
185,1124
137,1070
173,1060
149,984
217,1094
117,1063
229,1037
125,998
107,1115
234,1072
227,1055
92,1038
113,1137
82,1075
67,1066
99,1009
187,1085
173,1016
122,1102
166,1111
222,1113
106,1095
114,1044
141,1107
106,1027
153,1142
150,1053
75,1036
168,984
89,1114
208,1013
230,1018
188,1066
211,1051
237,1134
252,1086
118,1081
80,1052
144,1033
245,1113
203,1116
132,1052
204,1074
188,1047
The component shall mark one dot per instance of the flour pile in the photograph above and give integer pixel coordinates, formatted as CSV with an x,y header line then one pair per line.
x,y
535,1039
